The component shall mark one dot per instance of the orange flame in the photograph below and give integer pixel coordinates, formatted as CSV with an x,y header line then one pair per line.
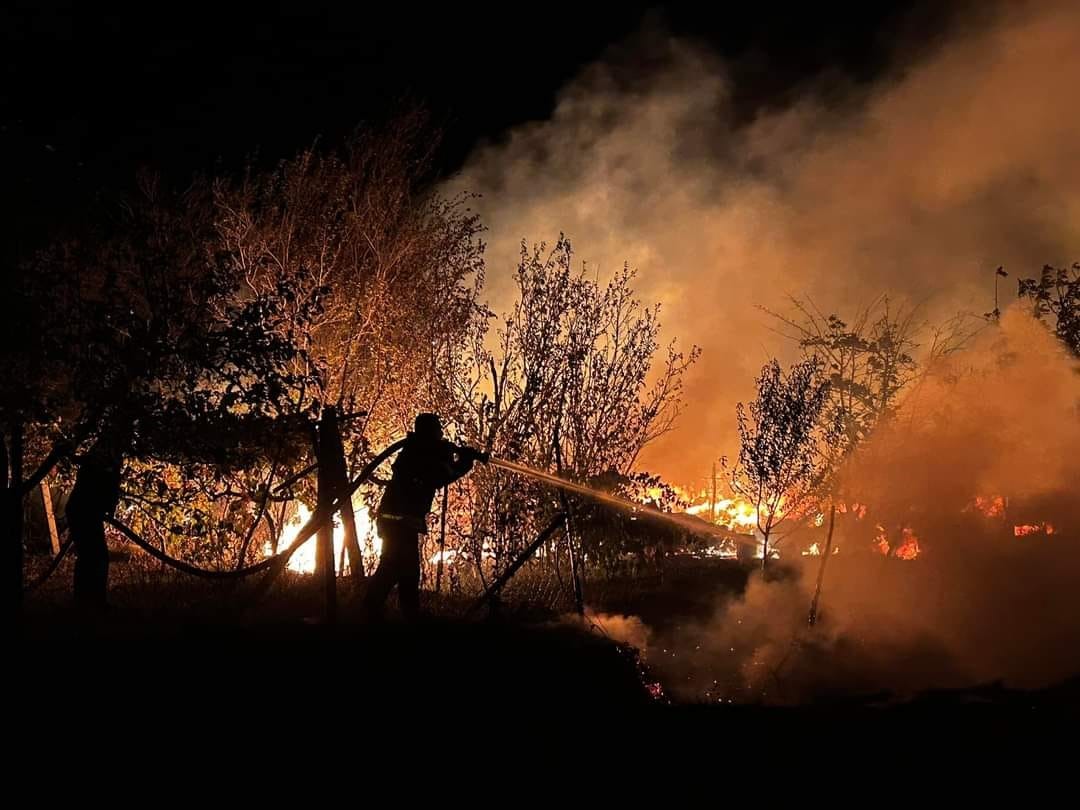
x,y
909,549
1033,528
991,506
303,560
881,542
857,509
733,514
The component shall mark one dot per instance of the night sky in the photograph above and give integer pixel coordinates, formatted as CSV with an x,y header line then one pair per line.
x,y
87,97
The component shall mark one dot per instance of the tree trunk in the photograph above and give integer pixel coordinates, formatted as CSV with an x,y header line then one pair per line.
x,y
324,549
352,540
575,570
11,550
50,516
331,458
821,567
275,530
328,485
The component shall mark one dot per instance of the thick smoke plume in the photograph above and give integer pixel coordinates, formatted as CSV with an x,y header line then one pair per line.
x,y
961,159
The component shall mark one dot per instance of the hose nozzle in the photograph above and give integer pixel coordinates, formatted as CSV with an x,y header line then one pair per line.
x,y
472,453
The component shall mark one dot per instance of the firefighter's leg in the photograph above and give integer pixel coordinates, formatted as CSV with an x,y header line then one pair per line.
x,y
92,563
409,578
386,573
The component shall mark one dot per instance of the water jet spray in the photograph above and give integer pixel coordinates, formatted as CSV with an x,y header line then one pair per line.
x,y
688,522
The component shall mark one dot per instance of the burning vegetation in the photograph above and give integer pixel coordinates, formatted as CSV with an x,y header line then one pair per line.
x,y
966,599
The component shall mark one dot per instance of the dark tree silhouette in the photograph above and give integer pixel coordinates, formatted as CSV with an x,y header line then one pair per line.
x,y
784,444
577,384
1055,296
156,349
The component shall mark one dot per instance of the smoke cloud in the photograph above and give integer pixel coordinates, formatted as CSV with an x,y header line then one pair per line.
x,y
979,604
961,159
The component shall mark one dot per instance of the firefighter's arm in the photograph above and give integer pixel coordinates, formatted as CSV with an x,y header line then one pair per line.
x,y
466,457
460,463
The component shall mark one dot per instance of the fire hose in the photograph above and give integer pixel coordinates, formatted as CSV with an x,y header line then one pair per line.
x,y
180,565
277,563
282,558
320,517
48,572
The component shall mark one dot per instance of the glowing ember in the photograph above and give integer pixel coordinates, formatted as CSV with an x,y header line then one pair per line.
x,y
303,561
909,549
992,506
881,542
1033,528
857,509
726,550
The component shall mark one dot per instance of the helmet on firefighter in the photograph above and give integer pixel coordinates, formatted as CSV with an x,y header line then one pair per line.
x,y
428,425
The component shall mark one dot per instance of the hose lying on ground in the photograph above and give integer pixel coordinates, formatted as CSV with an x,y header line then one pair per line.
x,y
48,572
187,568
281,558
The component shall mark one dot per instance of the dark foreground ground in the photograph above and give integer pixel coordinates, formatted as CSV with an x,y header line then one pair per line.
x,y
491,675
179,662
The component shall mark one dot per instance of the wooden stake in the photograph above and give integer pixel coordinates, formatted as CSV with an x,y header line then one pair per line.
x,y
50,518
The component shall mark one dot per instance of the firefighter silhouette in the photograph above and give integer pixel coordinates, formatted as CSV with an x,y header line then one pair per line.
x,y
426,463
